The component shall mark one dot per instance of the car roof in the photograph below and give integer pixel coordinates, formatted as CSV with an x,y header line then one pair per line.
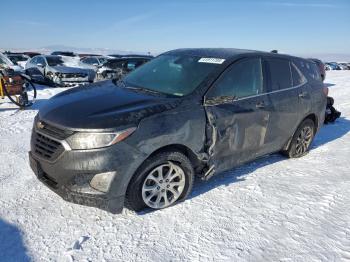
x,y
224,53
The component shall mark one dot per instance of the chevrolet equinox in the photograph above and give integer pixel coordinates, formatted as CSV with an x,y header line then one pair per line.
x,y
140,141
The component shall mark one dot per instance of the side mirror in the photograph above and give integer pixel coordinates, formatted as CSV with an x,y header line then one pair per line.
x,y
40,65
95,64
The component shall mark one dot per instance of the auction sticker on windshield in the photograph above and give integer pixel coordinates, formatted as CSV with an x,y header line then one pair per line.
x,y
211,60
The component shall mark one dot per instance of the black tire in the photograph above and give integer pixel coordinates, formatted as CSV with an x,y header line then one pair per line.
x,y
134,200
293,150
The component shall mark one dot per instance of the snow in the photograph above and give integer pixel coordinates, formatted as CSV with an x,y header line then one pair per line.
x,y
273,209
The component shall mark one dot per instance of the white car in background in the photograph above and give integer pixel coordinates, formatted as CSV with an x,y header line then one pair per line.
x,y
5,62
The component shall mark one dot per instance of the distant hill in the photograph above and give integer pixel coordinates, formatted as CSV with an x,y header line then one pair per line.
x,y
49,49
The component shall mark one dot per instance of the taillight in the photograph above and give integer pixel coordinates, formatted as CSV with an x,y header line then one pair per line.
x,y
325,90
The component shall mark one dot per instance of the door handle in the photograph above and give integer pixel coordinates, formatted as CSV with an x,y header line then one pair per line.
x,y
303,94
260,105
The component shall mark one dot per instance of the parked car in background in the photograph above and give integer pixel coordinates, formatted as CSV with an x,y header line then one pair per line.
x,y
84,55
119,67
109,68
52,69
64,53
5,62
31,54
18,59
333,66
344,66
141,140
94,60
320,66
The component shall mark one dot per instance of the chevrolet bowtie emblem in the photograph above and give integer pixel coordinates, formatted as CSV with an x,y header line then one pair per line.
x,y
40,125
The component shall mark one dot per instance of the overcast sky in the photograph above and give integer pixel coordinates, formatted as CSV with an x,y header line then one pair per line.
x,y
292,26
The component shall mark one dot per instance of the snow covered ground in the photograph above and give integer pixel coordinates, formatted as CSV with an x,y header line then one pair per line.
x,y
274,209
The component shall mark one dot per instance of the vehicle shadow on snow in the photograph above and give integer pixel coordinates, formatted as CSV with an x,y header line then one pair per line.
x,y
11,244
331,132
327,134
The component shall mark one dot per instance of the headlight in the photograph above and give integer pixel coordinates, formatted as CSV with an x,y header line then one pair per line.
x,y
97,140
49,74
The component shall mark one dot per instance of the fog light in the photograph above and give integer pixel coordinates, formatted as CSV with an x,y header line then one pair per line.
x,y
102,181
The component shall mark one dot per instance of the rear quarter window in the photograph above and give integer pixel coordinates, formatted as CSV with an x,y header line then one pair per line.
x,y
309,69
297,76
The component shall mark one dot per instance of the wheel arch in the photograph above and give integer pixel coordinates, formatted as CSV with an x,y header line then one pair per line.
x,y
313,118
188,152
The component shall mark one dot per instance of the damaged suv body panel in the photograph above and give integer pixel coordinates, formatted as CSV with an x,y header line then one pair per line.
x,y
244,127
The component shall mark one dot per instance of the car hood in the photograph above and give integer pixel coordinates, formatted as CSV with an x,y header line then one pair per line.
x,y
17,68
67,69
102,105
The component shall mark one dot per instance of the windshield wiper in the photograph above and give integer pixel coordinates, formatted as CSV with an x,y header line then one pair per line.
x,y
123,84
145,90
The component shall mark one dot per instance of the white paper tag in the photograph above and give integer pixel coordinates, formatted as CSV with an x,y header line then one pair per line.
x,y
211,60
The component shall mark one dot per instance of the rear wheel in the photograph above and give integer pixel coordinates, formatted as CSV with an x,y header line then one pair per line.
x,y
162,181
301,140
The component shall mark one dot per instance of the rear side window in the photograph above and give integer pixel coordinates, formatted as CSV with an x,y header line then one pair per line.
x,y
242,79
297,77
279,72
310,70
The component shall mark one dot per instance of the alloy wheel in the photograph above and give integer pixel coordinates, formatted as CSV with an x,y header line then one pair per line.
x,y
304,140
163,185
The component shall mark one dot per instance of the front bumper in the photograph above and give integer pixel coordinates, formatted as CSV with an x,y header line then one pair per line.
x,y
82,195
70,174
71,81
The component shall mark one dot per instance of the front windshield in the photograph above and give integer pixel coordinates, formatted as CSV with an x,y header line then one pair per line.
x,y
54,61
176,75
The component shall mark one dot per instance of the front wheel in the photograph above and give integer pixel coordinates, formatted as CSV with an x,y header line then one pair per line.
x,y
161,181
301,140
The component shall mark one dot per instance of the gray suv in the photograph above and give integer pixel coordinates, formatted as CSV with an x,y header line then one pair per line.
x,y
141,140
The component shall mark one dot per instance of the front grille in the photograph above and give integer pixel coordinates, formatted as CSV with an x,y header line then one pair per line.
x,y
73,75
54,131
46,147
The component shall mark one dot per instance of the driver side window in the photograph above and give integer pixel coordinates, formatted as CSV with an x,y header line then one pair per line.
x,y
242,79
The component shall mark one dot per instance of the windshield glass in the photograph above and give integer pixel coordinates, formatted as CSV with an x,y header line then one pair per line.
x,y
171,74
54,61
